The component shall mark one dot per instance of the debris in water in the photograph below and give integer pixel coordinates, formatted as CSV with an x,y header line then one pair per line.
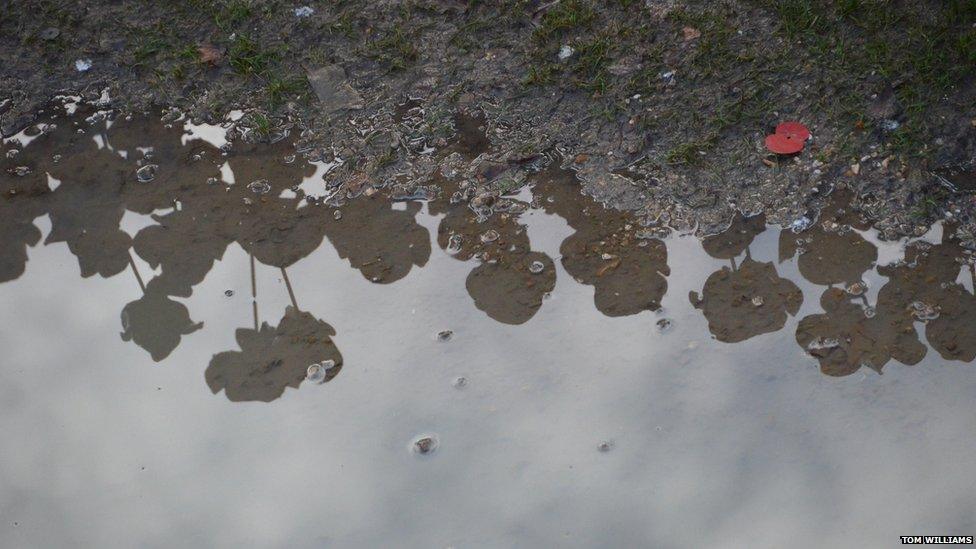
x,y
488,236
664,325
82,65
445,335
20,171
536,267
869,312
856,288
605,446
146,173
337,215
229,293
304,11
460,382
801,224
757,301
212,181
923,312
823,343
425,444
454,243
261,186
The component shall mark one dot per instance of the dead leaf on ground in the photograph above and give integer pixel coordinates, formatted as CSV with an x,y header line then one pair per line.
x,y
210,54
691,33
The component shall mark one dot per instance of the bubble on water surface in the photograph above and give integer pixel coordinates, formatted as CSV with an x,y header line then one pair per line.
x,y
445,335
316,373
536,267
664,325
146,173
337,215
229,293
605,446
261,186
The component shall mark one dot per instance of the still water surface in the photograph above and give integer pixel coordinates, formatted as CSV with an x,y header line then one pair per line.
x,y
578,379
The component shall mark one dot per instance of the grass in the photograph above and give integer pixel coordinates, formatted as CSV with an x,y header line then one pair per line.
x,y
279,88
246,57
394,48
566,16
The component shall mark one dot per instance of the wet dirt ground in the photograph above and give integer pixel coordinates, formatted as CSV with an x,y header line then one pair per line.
x,y
206,344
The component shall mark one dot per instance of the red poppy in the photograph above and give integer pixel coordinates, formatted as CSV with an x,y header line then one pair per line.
x,y
788,139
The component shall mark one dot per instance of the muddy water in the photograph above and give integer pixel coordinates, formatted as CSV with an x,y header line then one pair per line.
x,y
533,370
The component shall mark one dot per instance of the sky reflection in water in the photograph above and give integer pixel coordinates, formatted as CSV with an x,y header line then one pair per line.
x,y
701,362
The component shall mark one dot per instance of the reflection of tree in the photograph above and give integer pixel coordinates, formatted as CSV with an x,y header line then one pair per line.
x,y
510,280
180,167
155,322
747,301
736,239
927,278
273,357
628,277
843,338
383,243
87,208
279,232
830,252
507,290
19,206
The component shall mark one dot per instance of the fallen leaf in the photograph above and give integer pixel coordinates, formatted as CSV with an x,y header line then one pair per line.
x,y
691,33
210,54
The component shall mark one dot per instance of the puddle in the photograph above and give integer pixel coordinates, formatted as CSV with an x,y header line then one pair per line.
x,y
200,354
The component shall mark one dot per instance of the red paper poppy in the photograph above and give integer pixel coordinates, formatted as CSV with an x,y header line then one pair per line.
x,y
781,143
794,130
